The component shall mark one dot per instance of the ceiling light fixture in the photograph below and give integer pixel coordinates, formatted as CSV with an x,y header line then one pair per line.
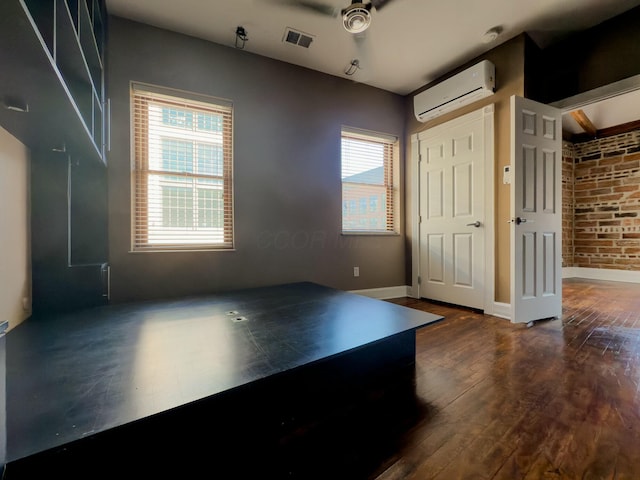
x,y
356,17
491,34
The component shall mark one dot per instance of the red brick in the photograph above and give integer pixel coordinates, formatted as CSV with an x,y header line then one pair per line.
x,y
610,161
579,250
625,188
608,183
599,216
582,169
626,261
603,261
626,242
591,243
631,180
611,198
585,223
627,165
578,186
616,250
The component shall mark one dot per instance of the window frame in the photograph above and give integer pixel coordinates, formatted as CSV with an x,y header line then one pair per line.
x,y
391,185
142,141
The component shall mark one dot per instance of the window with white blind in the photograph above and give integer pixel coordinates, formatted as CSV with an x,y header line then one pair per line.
x,y
368,182
182,171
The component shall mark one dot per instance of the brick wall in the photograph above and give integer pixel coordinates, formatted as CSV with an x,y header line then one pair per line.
x,y
606,202
567,203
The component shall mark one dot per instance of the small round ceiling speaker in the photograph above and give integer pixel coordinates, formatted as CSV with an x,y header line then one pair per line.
x,y
356,18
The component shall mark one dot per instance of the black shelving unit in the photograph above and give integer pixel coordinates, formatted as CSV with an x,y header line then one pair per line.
x,y
52,98
52,87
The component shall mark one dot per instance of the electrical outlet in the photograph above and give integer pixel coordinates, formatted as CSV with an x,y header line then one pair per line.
x,y
356,271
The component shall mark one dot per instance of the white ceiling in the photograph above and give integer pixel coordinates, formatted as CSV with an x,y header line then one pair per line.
x,y
409,43
610,112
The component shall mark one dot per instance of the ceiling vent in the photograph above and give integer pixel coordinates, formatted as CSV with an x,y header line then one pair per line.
x,y
296,37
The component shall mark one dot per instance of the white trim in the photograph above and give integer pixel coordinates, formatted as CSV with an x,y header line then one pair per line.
x,y
487,114
598,94
502,310
496,309
363,134
602,274
489,208
385,292
415,221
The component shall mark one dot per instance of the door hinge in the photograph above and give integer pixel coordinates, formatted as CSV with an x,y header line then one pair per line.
x,y
419,280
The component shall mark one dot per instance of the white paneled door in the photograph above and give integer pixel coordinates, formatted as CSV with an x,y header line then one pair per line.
x,y
451,208
536,207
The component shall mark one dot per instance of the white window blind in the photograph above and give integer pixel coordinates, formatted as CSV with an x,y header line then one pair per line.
x,y
368,193
182,172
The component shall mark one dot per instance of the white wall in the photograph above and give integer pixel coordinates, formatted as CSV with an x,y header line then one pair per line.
x,y
15,253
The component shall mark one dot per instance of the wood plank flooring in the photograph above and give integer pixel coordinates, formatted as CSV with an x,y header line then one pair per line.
x,y
559,400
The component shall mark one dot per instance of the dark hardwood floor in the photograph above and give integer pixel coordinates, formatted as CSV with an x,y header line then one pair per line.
x,y
559,400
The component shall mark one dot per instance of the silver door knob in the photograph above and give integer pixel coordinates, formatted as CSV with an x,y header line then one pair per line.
x,y
474,224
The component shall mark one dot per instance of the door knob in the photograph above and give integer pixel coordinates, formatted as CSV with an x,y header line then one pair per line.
x,y
474,224
518,220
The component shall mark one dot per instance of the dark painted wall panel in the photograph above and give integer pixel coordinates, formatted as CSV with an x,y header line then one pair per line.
x,y
3,400
56,284
287,196
604,54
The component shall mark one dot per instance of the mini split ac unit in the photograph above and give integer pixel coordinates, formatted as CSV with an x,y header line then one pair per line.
x,y
463,88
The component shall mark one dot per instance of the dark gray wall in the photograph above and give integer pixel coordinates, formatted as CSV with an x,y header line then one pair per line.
x,y
3,403
604,54
68,215
287,193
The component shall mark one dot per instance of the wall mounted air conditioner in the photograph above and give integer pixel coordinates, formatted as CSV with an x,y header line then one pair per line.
x,y
463,88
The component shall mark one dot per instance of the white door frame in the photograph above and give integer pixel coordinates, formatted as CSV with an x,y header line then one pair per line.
x,y
614,89
487,114
621,87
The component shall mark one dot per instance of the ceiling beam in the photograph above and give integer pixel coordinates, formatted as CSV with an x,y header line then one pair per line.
x,y
602,133
618,129
584,122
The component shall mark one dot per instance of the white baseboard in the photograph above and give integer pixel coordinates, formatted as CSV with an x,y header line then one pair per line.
x,y
384,292
601,274
502,310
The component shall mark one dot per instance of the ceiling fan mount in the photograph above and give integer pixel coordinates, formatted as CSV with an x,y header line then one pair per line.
x,y
356,18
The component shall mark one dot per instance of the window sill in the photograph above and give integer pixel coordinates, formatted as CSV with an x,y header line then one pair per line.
x,y
372,234
182,250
